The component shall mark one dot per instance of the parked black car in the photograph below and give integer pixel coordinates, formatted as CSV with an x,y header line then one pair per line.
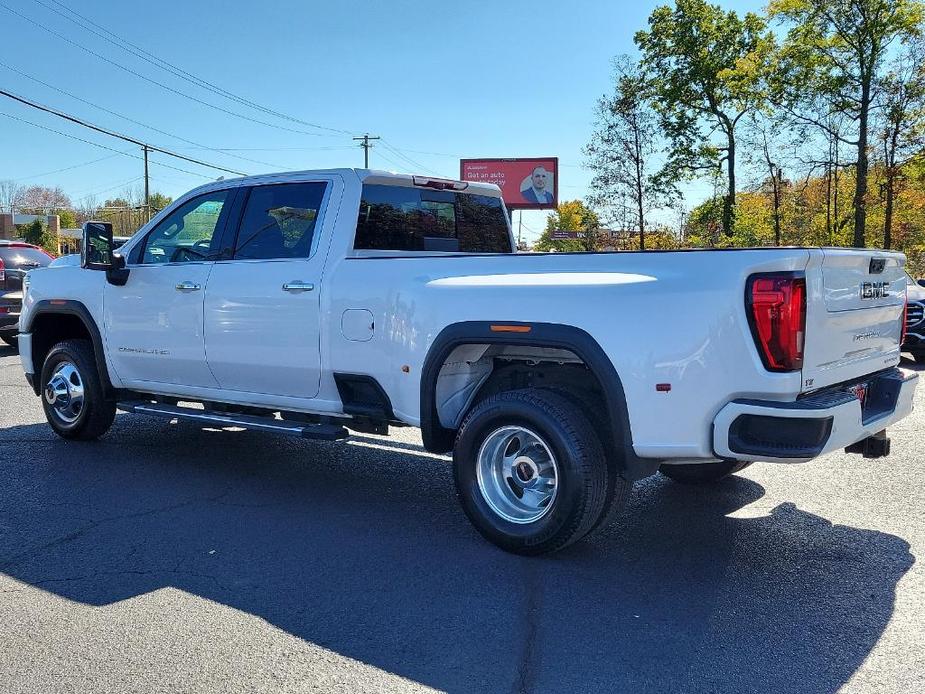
x,y
914,343
16,259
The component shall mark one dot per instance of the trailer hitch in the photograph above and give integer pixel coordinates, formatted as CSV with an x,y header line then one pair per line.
x,y
876,446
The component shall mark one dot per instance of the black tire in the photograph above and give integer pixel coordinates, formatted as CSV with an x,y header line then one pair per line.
x,y
96,414
919,358
11,340
702,473
579,457
618,489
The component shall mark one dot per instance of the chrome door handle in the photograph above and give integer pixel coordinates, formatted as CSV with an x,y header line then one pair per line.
x,y
298,286
188,287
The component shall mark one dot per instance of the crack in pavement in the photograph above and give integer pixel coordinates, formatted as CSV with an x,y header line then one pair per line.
x,y
526,668
80,532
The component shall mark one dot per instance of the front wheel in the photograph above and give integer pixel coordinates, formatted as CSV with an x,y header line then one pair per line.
x,y
703,473
72,392
530,471
919,358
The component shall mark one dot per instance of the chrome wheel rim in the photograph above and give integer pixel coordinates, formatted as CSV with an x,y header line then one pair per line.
x,y
518,475
65,392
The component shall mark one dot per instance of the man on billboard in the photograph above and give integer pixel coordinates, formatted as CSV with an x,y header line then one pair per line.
x,y
535,188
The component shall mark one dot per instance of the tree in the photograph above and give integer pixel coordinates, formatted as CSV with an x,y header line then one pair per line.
x,y
769,146
902,133
38,234
704,67
68,219
623,148
158,202
127,213
44,200
571,216
87,209
10,195
836,48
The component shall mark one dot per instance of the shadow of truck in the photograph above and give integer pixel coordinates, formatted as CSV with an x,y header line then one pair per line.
x,y
363,550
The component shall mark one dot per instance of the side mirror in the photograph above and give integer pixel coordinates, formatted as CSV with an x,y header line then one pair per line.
x,y
98,252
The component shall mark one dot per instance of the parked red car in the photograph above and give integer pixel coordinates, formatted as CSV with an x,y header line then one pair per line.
x,y
16,259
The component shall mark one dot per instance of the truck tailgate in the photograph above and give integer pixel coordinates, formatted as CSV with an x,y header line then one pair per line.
x,y
854,315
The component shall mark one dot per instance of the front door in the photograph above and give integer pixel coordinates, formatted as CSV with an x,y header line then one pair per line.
x,y
262,308
154,322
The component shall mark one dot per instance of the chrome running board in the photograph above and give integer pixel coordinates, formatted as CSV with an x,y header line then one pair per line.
x,y
322,432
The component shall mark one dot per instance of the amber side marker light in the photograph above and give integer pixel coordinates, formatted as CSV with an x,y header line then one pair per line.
x,y
511,328
58,302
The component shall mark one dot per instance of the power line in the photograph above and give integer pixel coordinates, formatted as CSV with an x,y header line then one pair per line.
x,y
111,133
398,165
275,149
97,144
148,57
127,118
85,194
129,70
415,164
451,155
66,168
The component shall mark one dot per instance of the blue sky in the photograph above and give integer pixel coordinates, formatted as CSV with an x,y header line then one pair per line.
x,y
437,80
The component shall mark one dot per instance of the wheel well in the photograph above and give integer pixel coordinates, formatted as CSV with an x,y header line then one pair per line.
x,y
462,361
49,328
471,372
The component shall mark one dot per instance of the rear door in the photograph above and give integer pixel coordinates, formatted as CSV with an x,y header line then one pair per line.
x,y
262,308
854,314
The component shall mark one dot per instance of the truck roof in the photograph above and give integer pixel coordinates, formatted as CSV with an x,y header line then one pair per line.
x,y
379,175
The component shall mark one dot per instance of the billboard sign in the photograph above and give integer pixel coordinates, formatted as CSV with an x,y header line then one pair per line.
x,y
526,184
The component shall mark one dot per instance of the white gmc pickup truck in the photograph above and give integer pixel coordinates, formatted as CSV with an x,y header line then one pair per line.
x,y
319,302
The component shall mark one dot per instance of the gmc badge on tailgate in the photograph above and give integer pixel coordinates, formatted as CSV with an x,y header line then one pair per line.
x,y
874,290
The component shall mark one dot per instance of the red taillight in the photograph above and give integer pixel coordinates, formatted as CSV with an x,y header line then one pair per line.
x,y
2,271
777,313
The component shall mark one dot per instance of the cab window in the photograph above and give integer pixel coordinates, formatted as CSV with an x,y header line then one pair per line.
x,y
401,218
279,221
188,233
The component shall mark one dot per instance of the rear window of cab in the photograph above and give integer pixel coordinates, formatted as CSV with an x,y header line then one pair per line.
x,y
18,256
402,218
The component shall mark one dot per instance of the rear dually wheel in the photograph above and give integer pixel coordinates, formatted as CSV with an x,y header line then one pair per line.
x,y
530,471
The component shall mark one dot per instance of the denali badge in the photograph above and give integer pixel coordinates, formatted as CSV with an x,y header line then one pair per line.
x,y
874,290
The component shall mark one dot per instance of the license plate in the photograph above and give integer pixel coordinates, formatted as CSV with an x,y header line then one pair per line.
x,y
860,391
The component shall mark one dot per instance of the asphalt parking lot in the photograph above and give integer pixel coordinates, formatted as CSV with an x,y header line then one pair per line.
x,y
165,558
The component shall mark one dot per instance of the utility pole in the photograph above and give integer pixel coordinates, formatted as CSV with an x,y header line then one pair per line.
x,y
520,227
365,144
147,188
